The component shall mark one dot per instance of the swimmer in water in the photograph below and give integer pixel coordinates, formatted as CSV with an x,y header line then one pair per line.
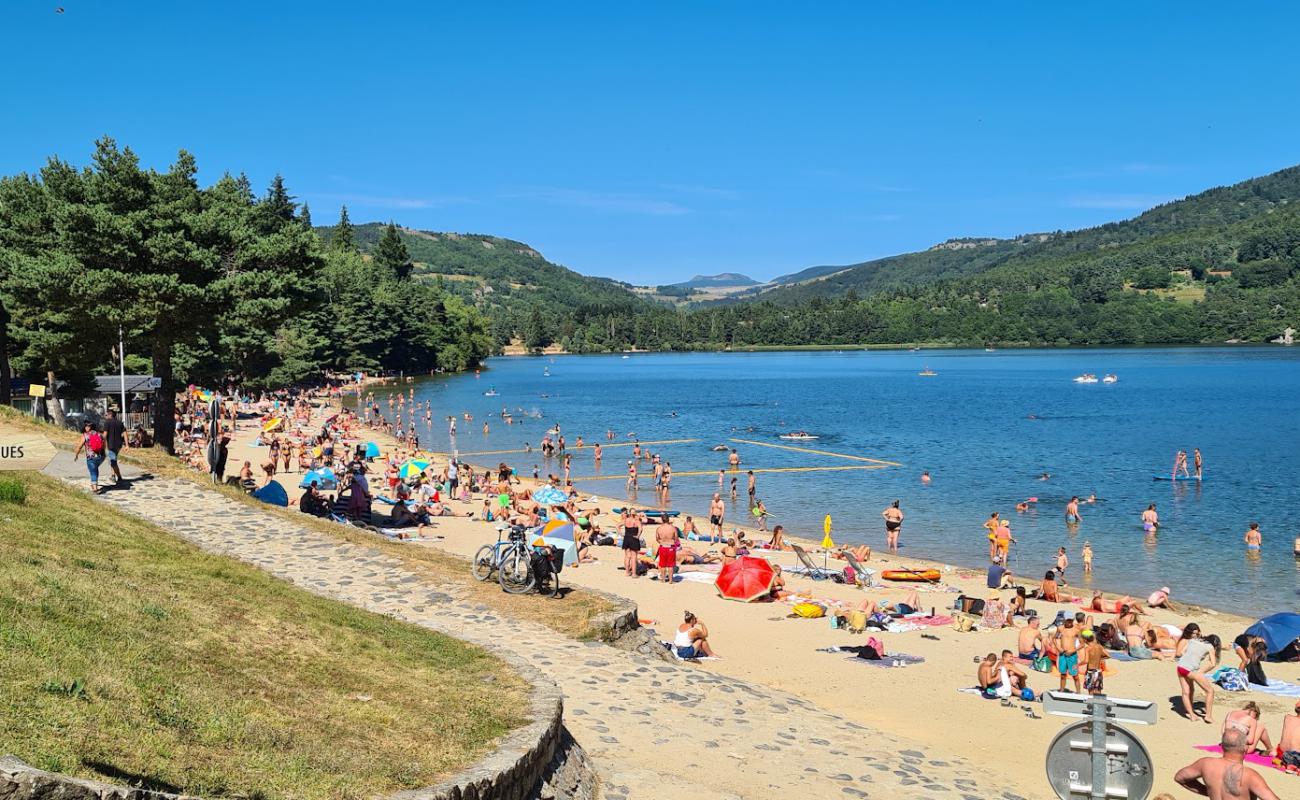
x,y
1253,537
1150,519
925,478
1045,476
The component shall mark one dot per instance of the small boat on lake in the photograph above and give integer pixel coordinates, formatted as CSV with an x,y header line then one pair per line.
x,y
1110,379
492,393
927,373
1086,377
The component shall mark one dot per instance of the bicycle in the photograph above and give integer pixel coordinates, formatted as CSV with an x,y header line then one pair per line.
x,y
489,557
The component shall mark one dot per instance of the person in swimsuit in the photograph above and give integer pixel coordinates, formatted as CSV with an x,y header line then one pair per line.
x,y
1180,463
1150,519
666,539
631,524
1253,537
1197,462
1087,558
1192,651
1072,511
1003,540
1066,641
893,523
1246,720
1093,655
717,513
1030,640
991,525
1288,745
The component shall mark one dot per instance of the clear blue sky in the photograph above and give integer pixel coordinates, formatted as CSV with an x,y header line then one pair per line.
x,y
649,141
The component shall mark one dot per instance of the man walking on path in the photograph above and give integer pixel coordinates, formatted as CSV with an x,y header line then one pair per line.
x,y
115,436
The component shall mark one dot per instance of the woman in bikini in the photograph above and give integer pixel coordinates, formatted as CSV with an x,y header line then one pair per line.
x,y
1192,652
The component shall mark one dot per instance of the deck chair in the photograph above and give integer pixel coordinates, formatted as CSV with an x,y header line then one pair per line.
x,y
867,576
815,572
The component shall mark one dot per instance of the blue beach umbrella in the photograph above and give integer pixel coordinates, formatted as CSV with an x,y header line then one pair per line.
x,y
324,477
372,450
550,496
273,493
1278,630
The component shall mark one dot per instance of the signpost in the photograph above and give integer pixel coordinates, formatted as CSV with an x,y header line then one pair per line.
x,y
1097,759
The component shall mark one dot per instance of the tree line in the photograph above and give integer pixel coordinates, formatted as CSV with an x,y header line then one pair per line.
x,y
209,284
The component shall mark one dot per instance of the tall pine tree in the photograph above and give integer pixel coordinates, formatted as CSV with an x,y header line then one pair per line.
x,y
304,216
344,239
391,253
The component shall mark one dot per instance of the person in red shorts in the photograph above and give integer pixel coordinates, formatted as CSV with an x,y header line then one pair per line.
x,y
666,538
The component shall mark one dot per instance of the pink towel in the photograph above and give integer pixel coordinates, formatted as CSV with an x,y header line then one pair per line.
x,y
1253,758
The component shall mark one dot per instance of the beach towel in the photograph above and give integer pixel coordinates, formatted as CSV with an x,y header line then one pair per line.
x,y
696,577
1252,758
1278,688
891,660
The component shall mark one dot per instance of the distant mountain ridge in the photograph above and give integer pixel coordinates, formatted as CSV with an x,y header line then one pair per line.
x,y
721,279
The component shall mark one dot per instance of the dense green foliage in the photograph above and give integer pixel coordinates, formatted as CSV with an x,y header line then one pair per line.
x,y
212,284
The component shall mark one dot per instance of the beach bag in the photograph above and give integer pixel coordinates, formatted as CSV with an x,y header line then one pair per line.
x,y
857,621
1233,680
963,624
1042,664
808,610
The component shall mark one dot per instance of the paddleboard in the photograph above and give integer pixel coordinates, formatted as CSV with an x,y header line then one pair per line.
x,y
1179,478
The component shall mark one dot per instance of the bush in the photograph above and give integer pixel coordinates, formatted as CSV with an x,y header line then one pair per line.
x,y
12,491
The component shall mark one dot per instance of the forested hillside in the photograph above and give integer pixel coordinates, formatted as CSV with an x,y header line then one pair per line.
x,y
520,290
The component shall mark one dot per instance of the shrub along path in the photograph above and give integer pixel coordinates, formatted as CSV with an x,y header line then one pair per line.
x,y
653,729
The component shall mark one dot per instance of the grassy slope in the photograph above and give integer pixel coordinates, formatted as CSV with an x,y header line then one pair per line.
x,y
126,654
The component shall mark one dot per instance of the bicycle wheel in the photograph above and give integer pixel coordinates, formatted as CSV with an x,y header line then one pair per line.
x,y
515,573
482,566
549,586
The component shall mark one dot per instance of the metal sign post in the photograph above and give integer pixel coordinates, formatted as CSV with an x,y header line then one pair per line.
x,y
1117,763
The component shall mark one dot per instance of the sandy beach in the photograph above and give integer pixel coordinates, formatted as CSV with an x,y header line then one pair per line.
x,y
761,643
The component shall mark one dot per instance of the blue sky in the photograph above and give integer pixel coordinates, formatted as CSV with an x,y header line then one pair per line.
x,y
651,141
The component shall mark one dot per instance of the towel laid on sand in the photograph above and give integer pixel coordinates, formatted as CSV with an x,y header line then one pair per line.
x,y
1253,758
1276,687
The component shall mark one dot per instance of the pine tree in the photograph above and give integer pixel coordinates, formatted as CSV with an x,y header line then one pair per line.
x,y
391,253
304,216
275,209
343,239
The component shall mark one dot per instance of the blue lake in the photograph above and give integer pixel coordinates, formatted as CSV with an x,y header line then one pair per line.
x,y
986,426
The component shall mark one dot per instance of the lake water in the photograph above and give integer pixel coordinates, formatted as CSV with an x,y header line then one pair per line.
x,y
985,427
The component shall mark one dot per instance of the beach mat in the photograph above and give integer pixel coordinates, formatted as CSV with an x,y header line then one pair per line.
x,y
890,661
1253,758
1278,688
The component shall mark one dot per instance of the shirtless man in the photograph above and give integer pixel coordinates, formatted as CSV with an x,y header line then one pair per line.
x,y
1093,656
666,538
1288,747
751,487
1067,649
1072,511
1253,538
596,453
717,513
1197,463
1030,641
734,459
1225,777
1019,678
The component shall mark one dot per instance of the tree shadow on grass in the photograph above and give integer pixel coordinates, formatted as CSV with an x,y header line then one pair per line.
x,y
132,779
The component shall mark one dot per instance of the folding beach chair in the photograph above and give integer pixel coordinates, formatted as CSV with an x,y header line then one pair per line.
x,y
865,575
815,572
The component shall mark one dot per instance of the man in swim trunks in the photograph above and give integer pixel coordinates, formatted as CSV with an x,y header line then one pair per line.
x,y
1067,648
1030,641
1197,463
1093,654
666,538
717,513
752,487
1072,511
1253,537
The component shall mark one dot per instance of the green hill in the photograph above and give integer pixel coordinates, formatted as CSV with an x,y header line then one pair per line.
x,y
1198,233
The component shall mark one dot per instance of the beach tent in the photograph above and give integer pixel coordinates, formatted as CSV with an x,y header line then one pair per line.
x,y
324,477
746,579
1278,630
272,493
372,450
550,496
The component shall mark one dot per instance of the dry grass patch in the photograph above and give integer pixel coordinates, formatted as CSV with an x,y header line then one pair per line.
x,y
130,656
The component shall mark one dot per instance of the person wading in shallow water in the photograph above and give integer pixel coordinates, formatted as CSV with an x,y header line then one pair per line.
x,y
893,523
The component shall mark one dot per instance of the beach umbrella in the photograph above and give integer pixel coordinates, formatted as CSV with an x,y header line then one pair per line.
x,y
273,493
746,579
272,425
827,541
410,469
550,496
214,436
567,548
372,450
1278,630
324,478
558,529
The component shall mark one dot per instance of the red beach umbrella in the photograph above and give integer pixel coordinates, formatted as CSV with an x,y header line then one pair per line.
x,y
746,579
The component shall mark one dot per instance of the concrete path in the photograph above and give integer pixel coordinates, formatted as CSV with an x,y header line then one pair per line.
x,y
653,730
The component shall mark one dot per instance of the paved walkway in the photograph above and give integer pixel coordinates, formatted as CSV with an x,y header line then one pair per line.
x,y
652,729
